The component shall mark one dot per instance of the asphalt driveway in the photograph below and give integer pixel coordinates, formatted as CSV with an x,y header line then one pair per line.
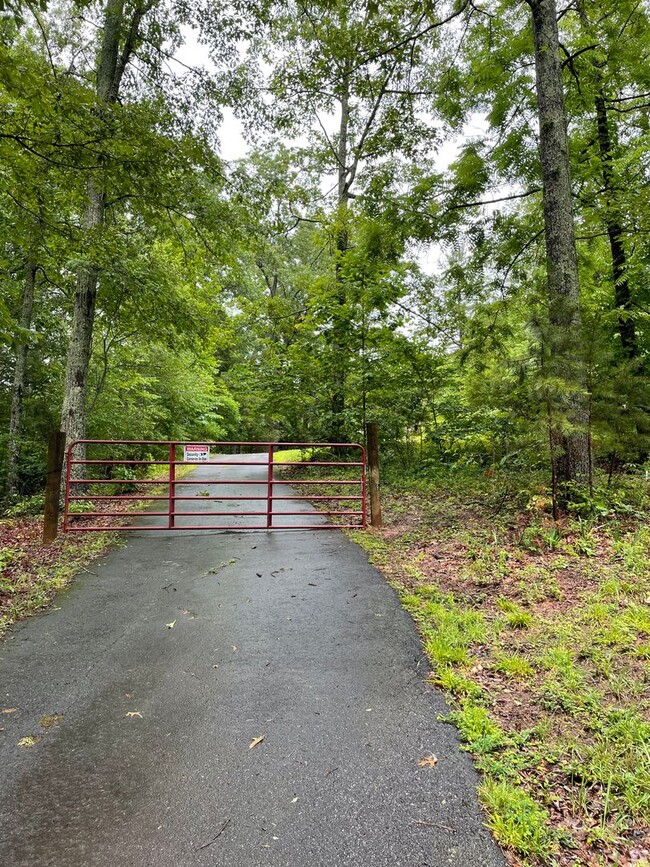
x,y
172,655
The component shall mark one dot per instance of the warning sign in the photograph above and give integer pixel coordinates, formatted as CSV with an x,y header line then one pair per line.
x,y
196,453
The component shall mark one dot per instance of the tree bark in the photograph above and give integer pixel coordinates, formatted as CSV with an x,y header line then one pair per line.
x,y
569,435
73,419
111,65
20,376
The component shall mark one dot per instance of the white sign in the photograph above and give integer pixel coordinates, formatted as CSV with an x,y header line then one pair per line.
x,y
196,453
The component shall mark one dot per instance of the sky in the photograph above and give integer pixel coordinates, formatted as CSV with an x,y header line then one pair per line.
x,y
234,146
233,143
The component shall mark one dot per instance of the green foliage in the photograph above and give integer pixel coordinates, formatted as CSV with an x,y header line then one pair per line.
x,y
455,683
481,734
515,616
239,279
514,665
27,506
515,819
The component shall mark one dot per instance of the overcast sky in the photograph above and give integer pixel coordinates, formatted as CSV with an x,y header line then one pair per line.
x,y
233,145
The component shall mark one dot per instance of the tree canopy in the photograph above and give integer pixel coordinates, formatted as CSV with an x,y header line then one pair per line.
x,y
438,222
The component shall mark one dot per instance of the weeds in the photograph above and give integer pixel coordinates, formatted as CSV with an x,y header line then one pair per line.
x,y
515,616
515,819
514,666
32,576
539,634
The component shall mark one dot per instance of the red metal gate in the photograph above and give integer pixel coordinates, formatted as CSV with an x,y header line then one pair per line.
x,y
128,497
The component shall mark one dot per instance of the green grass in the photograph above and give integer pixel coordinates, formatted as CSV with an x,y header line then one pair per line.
x,y
35,583
287,455
539,634
515,616
515,819
514,665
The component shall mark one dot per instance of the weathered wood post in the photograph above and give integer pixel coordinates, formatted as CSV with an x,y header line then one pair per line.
x,y
55,455
372,442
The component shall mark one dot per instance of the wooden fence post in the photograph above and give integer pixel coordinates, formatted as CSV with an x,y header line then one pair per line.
x,y
55,455
372,441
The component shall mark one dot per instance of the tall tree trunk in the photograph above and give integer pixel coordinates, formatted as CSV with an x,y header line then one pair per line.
x,y
622,294
20,376
339,323
569,436
73,419
110,69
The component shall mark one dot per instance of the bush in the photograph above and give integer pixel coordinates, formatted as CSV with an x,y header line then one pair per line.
x,y
27,506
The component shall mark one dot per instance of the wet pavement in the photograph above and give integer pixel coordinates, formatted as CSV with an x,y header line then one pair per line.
x,y
171,655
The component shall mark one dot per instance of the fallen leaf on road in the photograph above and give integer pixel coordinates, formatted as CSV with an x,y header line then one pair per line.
x,y
29,741
256,741
171,625
10,710
134,713
51,720
234,648
429,761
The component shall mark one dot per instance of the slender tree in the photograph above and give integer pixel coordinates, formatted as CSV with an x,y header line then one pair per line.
x,y
353,70
20,372
608,57
570,418
119,37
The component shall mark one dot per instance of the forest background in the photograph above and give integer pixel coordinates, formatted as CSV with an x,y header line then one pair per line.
x,y
370,256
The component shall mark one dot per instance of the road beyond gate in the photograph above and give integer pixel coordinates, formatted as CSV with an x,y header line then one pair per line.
x,y
101,479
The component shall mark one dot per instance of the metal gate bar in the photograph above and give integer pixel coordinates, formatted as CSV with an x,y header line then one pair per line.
x,y
77,521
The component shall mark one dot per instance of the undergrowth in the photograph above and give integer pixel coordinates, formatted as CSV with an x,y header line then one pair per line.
x,y
32,573
538,631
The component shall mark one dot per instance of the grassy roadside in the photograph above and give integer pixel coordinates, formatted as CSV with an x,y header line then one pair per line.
x,y
539,634
31,574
